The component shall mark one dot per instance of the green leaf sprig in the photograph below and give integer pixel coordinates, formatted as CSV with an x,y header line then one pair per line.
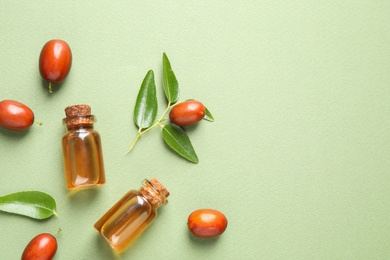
x,y
33,204
146,107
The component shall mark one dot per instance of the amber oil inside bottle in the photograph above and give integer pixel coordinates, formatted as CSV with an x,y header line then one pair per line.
x,y
132,214
82,150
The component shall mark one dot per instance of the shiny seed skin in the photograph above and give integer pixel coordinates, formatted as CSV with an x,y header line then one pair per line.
x,y
207,223
187,113
15,115
55,61
41,247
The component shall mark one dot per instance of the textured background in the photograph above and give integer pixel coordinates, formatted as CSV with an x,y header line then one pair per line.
x,y
297,158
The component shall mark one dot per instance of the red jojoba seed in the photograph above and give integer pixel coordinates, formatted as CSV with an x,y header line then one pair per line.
x,y
187,113
15,115
55,61
207,223
41,247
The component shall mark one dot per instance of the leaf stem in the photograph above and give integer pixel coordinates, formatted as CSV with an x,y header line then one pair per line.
x,y
58,231
159,121
162,119
166,110
50,89
135,140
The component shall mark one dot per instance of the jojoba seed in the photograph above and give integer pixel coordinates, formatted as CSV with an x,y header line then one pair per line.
x,y
15,115
187,113
41,247
207,223
55,61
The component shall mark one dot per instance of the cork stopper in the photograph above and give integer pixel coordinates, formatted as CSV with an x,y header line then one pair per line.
x,y
78,115
154,192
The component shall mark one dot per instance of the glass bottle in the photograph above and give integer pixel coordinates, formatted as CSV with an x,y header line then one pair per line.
x,y
82,150
132,214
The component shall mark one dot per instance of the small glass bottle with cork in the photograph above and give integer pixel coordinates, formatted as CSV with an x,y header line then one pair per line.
x,y
132,214
82,149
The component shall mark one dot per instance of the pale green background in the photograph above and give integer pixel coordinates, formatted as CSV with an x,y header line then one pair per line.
x,y
297,158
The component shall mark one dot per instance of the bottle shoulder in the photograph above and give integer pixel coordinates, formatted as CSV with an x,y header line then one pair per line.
x,y
82,132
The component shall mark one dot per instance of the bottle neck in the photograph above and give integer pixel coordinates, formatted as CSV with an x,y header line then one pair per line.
x,y
154,192
78,127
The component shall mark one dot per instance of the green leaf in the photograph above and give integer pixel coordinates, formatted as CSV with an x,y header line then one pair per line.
x,y
208,116
146,106
170,84
33,204
178,140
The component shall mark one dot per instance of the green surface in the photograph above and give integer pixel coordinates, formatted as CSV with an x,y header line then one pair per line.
x,y
298,155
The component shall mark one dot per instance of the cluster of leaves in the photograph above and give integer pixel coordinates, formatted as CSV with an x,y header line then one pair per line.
x,y
33,204
145,112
